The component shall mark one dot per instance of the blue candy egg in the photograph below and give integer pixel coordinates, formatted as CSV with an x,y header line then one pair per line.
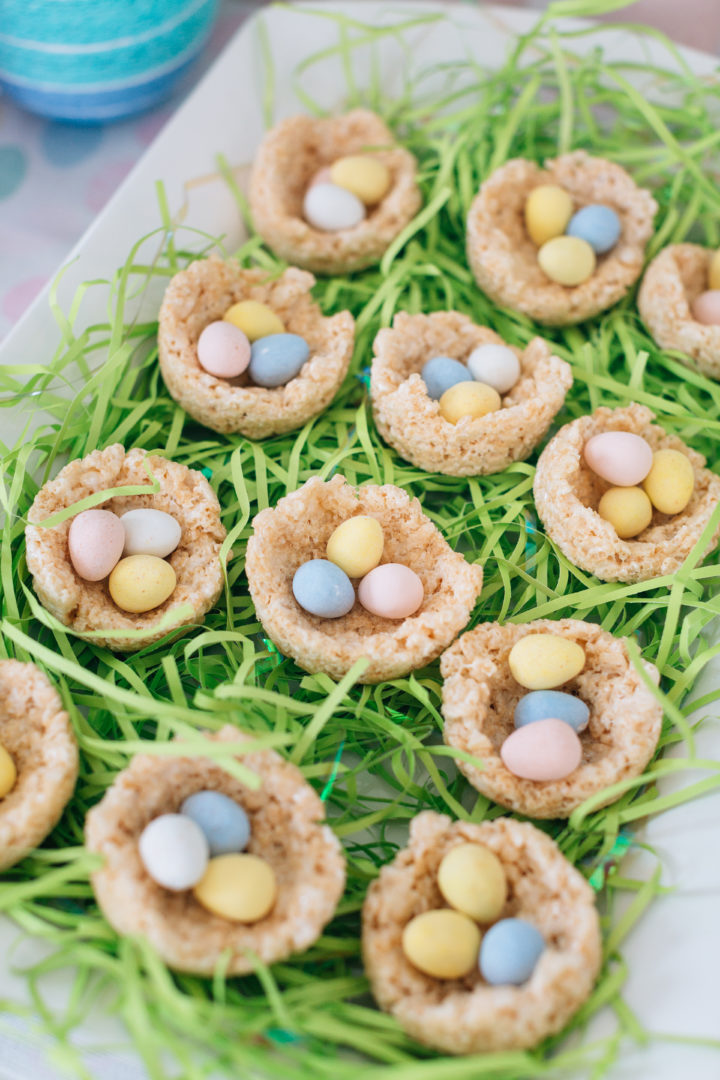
x,y
323,589
509,952
224,822
597,224
545,704
440,373
277,358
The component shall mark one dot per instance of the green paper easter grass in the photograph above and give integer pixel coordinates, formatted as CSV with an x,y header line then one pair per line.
x,y
373,752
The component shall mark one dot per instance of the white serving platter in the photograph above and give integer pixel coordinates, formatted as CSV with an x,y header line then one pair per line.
x,y
674,952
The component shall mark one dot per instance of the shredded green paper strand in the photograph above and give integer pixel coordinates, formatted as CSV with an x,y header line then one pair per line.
x,y
374,752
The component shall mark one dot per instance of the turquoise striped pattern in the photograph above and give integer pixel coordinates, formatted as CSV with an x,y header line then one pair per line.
x,y
97,60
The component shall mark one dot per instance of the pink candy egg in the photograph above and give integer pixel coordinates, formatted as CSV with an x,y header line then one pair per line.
x,y
392,590
95,540
223,350
545,750
621,458
321,177
706,308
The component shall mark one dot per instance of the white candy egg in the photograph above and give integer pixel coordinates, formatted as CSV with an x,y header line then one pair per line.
x,y
174,851
150,532
332,208
495,365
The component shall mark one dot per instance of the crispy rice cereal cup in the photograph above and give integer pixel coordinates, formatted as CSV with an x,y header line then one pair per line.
x,y
288,829
567,493
410,421
479,696
201,294
672,281
298,529
85,606
36,732
503,258
289,157
467,1016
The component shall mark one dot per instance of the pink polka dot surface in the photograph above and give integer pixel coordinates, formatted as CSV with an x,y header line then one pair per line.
x,y
223,350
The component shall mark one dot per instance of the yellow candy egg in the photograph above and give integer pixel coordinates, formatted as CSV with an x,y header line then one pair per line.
x,y
239,887
628,510
670,482
543,661
356,546
714,271
472,880
548,210
141,582
442,943
474,399
256,320
568,260
8,773
365,176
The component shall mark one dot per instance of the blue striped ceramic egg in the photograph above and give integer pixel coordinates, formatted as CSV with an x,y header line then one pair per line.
x,y
97,60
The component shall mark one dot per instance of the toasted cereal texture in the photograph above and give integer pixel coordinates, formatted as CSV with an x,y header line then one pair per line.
x,y
298,529
467,1016
503,258
287,820
36,732
86,606
289,157
479,696
672,281
201,294
567,493
411,422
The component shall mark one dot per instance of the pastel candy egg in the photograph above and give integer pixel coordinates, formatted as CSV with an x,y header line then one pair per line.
x,y
356,546
332,208
670,482
174,851
714,271
510,951
141,582
222,820
366,177
442,943
494,365
392,590
254,319
567,260
547,211
628,509
472,880
223,350
546,750
442,372
323,589
544,661
620,457
599,225
546,704
277,358
322,176
8,773
473,399
241,888
95,543
706,308
150,532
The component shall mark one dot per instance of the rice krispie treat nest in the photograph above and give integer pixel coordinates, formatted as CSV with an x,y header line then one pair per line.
x,y
479,696
504,260
410,421
298,529
466,1016
289,157
567,493
672,281
288,830
36,732
201,294
86,606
